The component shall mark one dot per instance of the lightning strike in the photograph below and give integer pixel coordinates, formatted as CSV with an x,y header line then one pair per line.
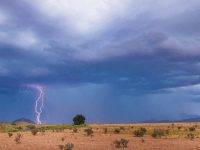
x,y
39,102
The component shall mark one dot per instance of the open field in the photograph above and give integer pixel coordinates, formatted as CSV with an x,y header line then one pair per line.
x,y
165,136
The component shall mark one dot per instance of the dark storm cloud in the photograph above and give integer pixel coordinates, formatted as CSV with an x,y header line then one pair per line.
x,y
119,56
130,52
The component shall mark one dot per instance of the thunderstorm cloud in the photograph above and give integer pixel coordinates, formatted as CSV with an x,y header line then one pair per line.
x,y
126,58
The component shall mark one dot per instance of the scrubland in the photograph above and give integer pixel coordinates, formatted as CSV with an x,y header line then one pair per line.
x,y
165,136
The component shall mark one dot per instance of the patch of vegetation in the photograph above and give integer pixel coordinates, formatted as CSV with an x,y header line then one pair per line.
x,y
88,131
30,127
34,131
117,131
191,136
68,146
142,140
18,138
122,143
63,138
105,130
191,129
158,133
12,128
179,127
10,134
79,119
122,128
75,130
140,132
41,130
56,128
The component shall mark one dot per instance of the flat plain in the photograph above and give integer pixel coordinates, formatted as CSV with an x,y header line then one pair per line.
x,y
148,136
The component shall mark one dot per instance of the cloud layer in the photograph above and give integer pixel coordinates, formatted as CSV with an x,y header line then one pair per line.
x,y
136,47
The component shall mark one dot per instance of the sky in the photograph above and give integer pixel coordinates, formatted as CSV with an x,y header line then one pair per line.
x,y
112,61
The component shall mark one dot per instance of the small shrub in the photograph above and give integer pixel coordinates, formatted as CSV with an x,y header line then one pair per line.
x,y
88,131
62,139
18,138
191,136
117,131
143,129
179,127
41,130
122,143
191,129
68,146
142,140
79,120
34,131
10,134
105,130
18,128
140,132
158,133
75,130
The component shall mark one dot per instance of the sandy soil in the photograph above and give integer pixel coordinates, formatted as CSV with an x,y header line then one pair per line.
x,y
50,141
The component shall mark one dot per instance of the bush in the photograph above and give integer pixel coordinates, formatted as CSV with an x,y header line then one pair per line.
x,y
122,143
105,130
79,120
158,133
18,138
68,146
88,131
75,130
10,134
117,131
41,130
143,129
191,129
191,136
142,140
140,132
62,139
34,131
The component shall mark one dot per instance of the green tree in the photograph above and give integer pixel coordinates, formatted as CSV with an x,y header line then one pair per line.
x,y
79,119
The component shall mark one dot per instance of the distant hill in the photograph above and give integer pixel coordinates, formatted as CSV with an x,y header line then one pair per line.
x,y
23,121
197,119
191,120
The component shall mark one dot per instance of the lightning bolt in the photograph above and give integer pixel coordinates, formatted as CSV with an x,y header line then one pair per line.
x,y
39,103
